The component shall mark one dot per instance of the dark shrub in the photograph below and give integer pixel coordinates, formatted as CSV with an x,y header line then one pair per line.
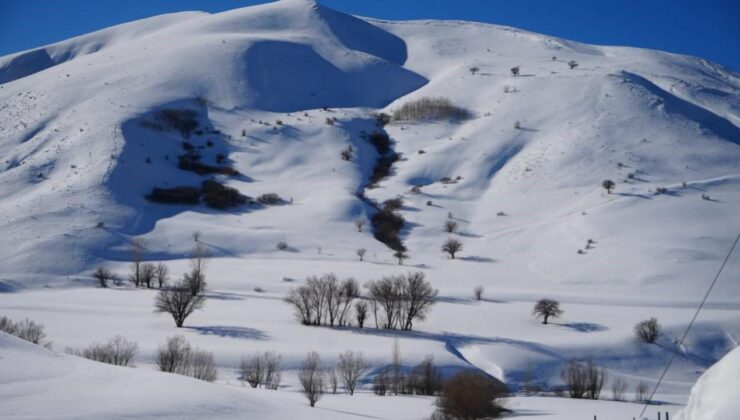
x,y
393,204
383,168
386,226
381,142
269,199
191,162
470,395
177,195
219,196
182,120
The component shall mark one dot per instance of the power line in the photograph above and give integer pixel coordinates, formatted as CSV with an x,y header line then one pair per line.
x,y
696,314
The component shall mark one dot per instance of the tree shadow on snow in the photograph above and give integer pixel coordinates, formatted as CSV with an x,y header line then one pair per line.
x,y
583,326
231,331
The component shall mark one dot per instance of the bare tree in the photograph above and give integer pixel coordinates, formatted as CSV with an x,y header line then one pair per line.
x,y
361,312
400,255
103,275
271,363
201,365
575,377
478,292
596,378
196,236
450,226
515,71
162,274
300,298
648,330
30,331
333,380
312,378
137,247
546,309
417,296
251,370
426,378
642,393
360,223
349,291
196,279
384,295
470,395
572,64
361,253
380,383
608,185
173,355
147,274
397,376
179,302
351,366
452,246
619,388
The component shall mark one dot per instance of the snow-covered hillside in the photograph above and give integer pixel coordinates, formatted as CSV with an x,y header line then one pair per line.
x,y
278,91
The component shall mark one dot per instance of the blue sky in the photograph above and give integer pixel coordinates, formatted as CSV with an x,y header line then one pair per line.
x,y
705,28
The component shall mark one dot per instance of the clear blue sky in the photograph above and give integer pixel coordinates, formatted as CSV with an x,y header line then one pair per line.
x,y
705,28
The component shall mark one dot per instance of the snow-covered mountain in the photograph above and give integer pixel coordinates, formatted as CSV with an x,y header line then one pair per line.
x,y
89,126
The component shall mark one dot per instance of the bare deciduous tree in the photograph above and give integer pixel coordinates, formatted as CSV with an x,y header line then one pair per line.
x,y
179,302
452,246
648,330
162,274
574,375
397,376
118,351
103,276
271,363
450,226
596,378
642,392
360,223
196,279
572,64
251,370
137,247
608,185
312,378
147,274
173,355
300,298
333,380
546,309
361,253
201,365
619,388
361,313
351,366
426,379
349,291
400,255
478,292
515,71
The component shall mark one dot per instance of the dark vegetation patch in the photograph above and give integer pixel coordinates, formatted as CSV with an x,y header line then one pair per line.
x,y
386,226
213,193
269,199
181,120
177,195
219,196
430,109
191,162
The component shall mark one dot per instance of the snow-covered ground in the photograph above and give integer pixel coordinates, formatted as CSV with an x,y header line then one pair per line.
x,y
78,157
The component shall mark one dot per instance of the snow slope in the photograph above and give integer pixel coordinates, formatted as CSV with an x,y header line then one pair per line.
x,y
78,155
715,394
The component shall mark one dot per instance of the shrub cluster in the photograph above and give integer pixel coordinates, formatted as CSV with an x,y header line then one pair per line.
x,y
181,120
219,196
191,162
430,109
27,330
176,195
118,351
583,379
386,226
269,199
176,356
261,369
470,395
